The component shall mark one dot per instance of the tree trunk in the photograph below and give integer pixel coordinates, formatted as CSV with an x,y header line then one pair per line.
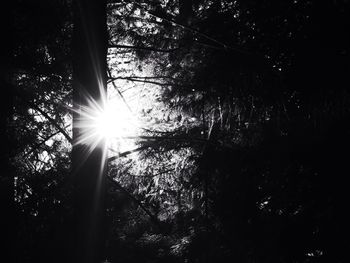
x,y
185,11
88,165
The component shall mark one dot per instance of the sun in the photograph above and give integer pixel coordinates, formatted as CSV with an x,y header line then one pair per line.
x,y
110,120
114,121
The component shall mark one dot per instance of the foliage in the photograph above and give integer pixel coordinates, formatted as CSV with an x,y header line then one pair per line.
x,y
243,108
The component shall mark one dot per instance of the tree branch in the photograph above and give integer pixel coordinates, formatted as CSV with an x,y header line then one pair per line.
x,y
53,122
37,145
142,48
153,217
126,153
116,88
194,31
140,80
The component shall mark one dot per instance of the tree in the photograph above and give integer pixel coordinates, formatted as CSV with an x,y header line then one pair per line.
x,y
250,72
89,76
37,73
240,151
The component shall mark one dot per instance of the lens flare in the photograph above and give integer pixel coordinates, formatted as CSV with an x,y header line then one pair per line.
x,y
114,121
110,120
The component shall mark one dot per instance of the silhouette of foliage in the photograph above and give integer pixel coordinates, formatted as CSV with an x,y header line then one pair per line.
x,y
244,108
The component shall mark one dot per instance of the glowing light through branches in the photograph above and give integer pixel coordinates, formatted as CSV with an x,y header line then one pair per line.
x,y
109,120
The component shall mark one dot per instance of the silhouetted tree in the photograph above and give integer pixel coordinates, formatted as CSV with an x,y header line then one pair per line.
x,y
88,167
242,157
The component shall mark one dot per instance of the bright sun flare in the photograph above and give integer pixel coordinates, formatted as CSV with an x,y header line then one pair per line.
x,y
113,122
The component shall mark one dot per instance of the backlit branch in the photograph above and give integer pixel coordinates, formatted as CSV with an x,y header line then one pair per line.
x,y
142,48
53,122
133,198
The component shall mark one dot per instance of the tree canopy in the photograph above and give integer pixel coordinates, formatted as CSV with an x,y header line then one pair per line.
x,y
233,121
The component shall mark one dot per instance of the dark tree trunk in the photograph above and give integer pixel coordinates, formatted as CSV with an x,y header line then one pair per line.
x,y
10,216
185,11
89,74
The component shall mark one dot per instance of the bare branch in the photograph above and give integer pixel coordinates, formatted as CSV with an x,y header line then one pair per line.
x,y
141,80
126,153
116,88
